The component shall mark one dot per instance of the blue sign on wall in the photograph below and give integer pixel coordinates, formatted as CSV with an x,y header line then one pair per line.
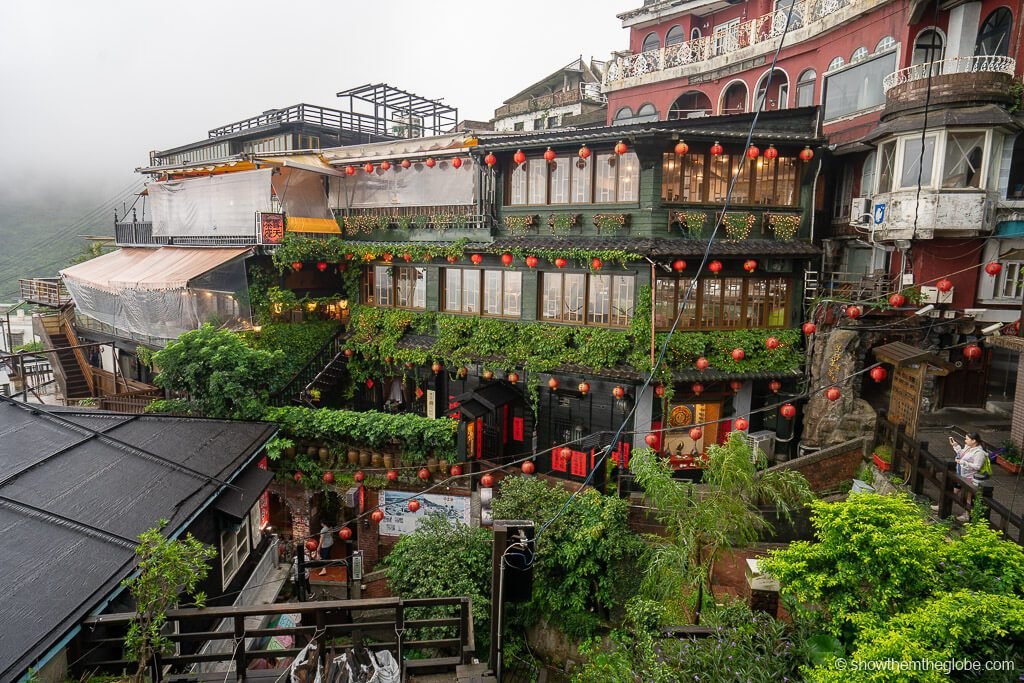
x,y
879,213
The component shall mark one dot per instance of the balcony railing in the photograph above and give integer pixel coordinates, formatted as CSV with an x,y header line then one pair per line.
x,y
761,29
587,92
957,65
140,234
49,291
306,113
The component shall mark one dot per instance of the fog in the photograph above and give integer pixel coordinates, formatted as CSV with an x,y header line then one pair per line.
x,y
89,88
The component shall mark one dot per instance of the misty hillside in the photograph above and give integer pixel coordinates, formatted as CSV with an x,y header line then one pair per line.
x,y
40,235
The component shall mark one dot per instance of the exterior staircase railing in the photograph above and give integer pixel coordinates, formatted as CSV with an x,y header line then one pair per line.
x,y
294,390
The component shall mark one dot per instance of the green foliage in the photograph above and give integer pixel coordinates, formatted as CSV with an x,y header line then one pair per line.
x,y
167,568
700,523
417,435
298,341
585,558
89,252
30,347
221,374
439,560
1010,451
336,250
981,560
884,452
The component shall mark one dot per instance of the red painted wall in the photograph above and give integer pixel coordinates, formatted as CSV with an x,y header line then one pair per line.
x,y
937,258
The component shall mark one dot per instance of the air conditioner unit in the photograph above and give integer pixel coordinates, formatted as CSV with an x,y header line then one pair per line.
x,y
932,295
352,497
860,210
764,441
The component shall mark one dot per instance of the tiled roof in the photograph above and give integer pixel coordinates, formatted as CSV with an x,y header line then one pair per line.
x,y
648,246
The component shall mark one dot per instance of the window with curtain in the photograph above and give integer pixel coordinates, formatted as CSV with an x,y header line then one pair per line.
x,y
604,178
723,303
488,292
601,300
760,181
395,286
965,153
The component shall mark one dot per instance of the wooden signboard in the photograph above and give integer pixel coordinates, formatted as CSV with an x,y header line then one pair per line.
x,y
905,397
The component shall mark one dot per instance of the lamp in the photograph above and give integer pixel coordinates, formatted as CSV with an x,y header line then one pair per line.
x,y
926,310
994,327
343,304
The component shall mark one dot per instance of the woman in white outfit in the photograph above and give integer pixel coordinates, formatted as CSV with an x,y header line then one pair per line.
x,y
970,457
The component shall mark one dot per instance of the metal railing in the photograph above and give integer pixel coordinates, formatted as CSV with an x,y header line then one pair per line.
x,y
586,92
49,291
306,113
740,36
957,65
85,322
140,234
292,391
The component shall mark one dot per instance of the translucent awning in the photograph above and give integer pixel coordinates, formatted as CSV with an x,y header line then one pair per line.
x,y
149,269
312,225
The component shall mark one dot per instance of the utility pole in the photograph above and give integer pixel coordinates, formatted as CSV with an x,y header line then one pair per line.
x,y
512,559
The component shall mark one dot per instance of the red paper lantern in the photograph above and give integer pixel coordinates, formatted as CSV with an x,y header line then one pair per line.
x,y
897,300
488,375
377,516
651,440
774,386
311,545
359,477
682,148
753,152
853,312
771,152
349,353
414,505
696,433
350,170
566,452
549,155
385,165
750,265
679,265
345,533
513,377
618,392
410,366
392,475
993,268
453,259
809,328
697,388
406,163
553,383
507,259
736,384
659,390
772,343
878,374
741,424
490,160
716,149
596,263
702,364
321,266
833,394
944,285
738,355
296,265
529,467
584,152
328,477
584,388
476,258
621,148
531,261
349,257
430,162
368,167
806,154
788,411
297,476
715,267
456,470
437,367
423,474
519,157
369,384
388,257
457,162
560,262
972,352
487,481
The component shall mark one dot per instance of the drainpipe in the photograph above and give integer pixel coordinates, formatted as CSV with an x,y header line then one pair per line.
x,y
654,288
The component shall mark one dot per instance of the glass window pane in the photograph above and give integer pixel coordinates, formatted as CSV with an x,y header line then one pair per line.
x,y
604,183
560,180
538,170
492,292
963,163
629,177
913,160
573,297
517,192
582,180
471,291
599,305
551,301
671,173
383,285
757,295
720,178
452,289
711,302
622,300
732,297
778,296
693,178
886,167
664,302
419,293
513,294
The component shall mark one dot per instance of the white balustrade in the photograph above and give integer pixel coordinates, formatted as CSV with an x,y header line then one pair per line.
x,y
957,65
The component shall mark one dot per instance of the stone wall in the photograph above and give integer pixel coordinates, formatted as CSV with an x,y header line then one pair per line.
x,y
828,468
836,355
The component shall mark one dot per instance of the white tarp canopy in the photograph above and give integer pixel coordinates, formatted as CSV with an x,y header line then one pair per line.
x,y
217,205
418,185
302,193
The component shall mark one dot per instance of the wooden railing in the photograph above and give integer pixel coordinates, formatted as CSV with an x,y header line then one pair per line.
x,y
381,623
68,329
918,466
291,392
49,291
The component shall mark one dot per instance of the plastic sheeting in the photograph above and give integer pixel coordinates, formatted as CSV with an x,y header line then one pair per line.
x,y
154,295
418,185
302,193
218,205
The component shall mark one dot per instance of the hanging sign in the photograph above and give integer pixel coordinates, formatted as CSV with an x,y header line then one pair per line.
x,y
432,404
271,228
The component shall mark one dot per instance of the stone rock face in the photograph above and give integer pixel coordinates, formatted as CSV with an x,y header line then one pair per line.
x,y
834,358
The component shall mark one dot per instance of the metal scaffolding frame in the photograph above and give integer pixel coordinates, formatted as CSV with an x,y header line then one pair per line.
x,y
400,113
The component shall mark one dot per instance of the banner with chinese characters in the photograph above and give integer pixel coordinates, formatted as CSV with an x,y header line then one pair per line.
x,y
271,228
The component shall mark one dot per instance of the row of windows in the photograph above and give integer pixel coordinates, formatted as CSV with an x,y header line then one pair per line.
x,y
705,178
722,302
601,178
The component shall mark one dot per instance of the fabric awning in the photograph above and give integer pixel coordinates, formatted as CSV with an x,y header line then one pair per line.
x,y
312,225
236,502
150,269
304,162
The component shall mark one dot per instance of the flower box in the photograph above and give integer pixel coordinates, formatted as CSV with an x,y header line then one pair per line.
x,y
520,224
737,225
611,222
691,222
563,223
1011,467
881,464
784,226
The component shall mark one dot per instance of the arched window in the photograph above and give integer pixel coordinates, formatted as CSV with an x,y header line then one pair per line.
x,y
994,36
690,105
835,64
674,36
646,112
623,114
885,44
651,42
859,55
805,88
929,47
734,99
695,33
867,176
777,92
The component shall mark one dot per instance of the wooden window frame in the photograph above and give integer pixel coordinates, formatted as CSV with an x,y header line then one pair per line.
x,y
481,293
681,282
752,181
585,315
368,284
573,172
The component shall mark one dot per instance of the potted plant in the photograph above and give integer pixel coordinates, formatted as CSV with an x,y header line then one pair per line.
x,y
1010,457
882,457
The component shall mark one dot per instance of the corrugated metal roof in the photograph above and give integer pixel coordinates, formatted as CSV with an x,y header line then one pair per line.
x,y
61,559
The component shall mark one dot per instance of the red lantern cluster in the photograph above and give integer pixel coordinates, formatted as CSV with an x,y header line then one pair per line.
x,y
651,440
584,152
368,167
701,364
513,377
772,343
771,152
809,328
853,312
696,433
377,516
430,162
350,170
328,477
359,476
621,148
385,165
392,475
584,388
806,154
321,266
679,265
457,162
878,374
507,259
311,545
993,268
549,155
659,390
716,149
618,392
897,300
697,388
456,470
476,259
490,160
560,262
423,474
406,163
487,481
414,505
682,148
519,157
753,152
532,261
553,383
345,533
736,384
775,386
296,265
833,394
738,355
596,263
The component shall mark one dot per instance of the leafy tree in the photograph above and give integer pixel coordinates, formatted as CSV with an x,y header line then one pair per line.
x,y
703,520
585,558
441,559
221,374
167,569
